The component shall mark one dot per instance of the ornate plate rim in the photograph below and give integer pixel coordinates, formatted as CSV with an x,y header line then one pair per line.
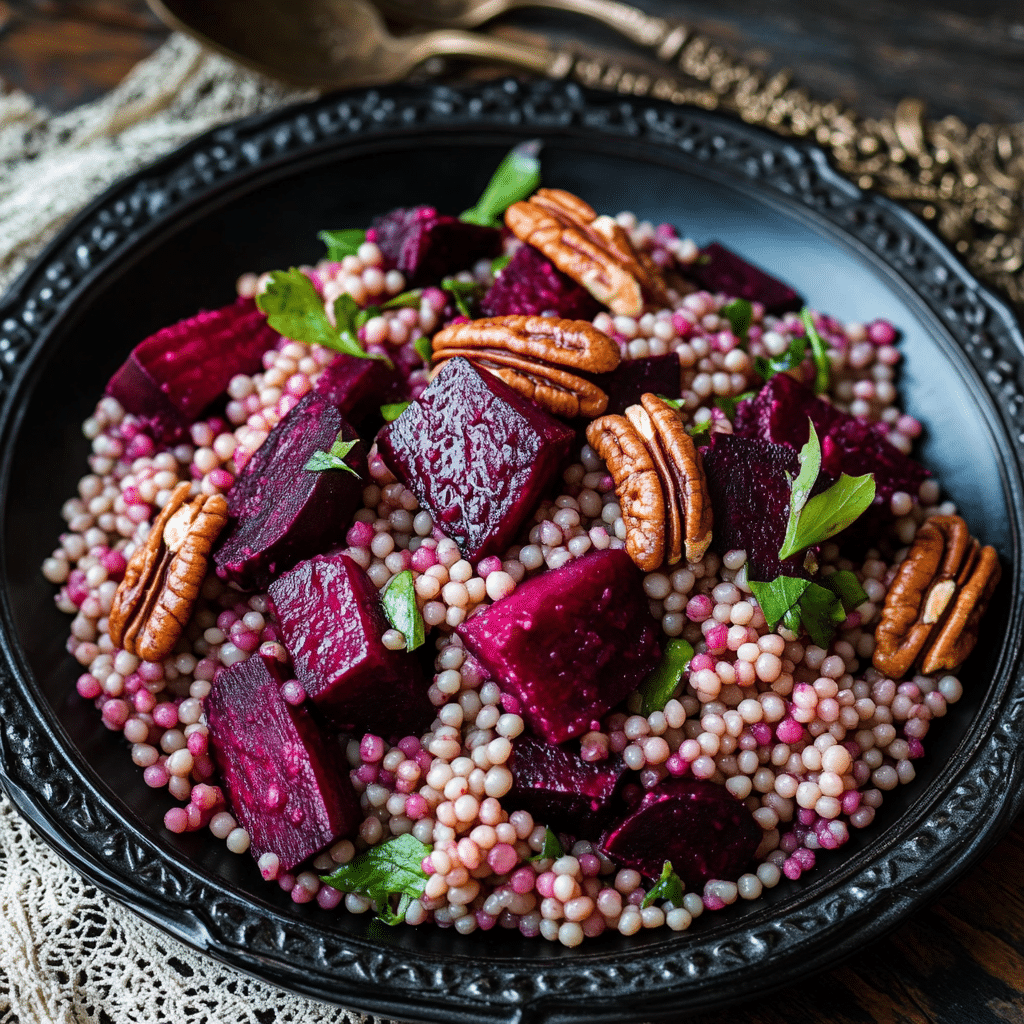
x,y
692,973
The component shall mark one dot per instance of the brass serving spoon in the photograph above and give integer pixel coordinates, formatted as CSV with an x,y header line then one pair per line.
x,y
337,44
665,37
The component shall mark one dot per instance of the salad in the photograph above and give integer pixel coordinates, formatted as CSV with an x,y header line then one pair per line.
x,y
532,568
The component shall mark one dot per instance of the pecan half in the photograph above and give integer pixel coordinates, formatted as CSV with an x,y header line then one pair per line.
x,y
659,480
594,251
936,600
154,601
536,355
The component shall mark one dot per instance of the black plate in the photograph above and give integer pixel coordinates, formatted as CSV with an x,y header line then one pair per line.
x,y
250,197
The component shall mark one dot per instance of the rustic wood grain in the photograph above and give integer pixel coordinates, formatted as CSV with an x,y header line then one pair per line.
x,y
960,961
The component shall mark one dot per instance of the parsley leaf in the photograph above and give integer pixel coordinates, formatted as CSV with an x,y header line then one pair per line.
x,y
294,308
661,685
768,366
727,403
845,585
740,314
819,352
700,432
779,597
342,243
552,848
393,410
817,608
820,612
812,520
393,868
672,403
334,459
462,293
424,349
669,887
399,600
499,263
517,177
405,300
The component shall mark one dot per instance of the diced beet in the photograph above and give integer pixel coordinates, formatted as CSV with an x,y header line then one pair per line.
x,y
282,512
749,486
718,269
288,787
359,387
657,375
699,826
476,454
570,643
427,246
332,623
779,413
173,375
532,284
556,786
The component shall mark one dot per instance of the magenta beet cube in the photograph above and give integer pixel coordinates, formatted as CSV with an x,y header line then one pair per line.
x,y
656,375
173,375
477,455
332,623
287,785
427,246
699,826
718,269
570,643
532,284
359,387
557,786
280,511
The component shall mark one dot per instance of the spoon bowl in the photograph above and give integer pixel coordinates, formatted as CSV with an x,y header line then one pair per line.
x,y
336,44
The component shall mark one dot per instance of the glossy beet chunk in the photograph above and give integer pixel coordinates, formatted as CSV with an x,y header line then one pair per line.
x,y
570,643
173,375
287,785
779,413
332,623
656,375
558,787
718,269
749,486
427,246
532,284
477,455
282,512
699,826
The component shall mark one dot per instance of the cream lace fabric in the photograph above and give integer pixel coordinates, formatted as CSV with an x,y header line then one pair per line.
x,y
69,954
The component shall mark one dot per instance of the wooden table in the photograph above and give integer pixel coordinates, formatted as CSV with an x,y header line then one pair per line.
x,y
962,960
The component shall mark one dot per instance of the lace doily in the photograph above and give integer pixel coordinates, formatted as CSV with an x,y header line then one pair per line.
x,y
68,953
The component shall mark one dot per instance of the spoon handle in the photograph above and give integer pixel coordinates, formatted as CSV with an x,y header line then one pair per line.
x,y
456,43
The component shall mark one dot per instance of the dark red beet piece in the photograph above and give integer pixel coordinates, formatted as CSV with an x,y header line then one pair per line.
x,y
570,643
749,486
556,786
332,623
718,269
532,284
288,787
476,454
173,375
779,413
281,512
700,826
659,375
359,387
427,246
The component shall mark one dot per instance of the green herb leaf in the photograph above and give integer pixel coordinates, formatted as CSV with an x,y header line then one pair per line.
x,y
552,848
810,467
663,683
399,600
393,410
424,349
294,308
830,512
669,887
364,315
700,432
820,612
405,300
819,351
740,314
462,293
342,243
499,263
393,868
845,585
727,403
767,367
673,403
779,596
334,459
517,177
